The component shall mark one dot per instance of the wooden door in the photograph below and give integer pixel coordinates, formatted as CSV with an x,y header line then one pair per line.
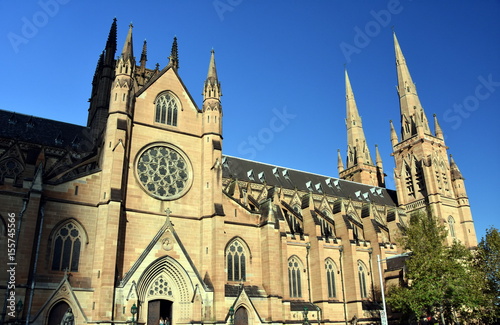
x,y
57,312
241,316
154,312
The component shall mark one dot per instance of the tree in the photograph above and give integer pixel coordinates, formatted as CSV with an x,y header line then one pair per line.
x,y
441,281
488,261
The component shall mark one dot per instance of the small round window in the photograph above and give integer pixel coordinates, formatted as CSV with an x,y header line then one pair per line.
x,y
164,172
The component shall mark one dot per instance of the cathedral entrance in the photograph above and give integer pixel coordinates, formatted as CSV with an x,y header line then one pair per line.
x,y
57,313
159,309
241,316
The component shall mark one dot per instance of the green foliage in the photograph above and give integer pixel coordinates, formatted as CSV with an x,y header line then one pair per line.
x,y
488,261
442,281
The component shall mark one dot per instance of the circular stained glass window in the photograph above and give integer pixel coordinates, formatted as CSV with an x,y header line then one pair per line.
x,y
164,172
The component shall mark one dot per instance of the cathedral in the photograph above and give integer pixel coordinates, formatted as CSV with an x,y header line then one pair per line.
x,y
139,217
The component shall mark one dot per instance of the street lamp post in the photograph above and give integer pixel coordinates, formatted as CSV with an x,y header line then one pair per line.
x,y
397,262
231,315
383,317
306,320
133,310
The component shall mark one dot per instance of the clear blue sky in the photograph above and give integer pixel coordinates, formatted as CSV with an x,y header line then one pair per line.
x,y
282,57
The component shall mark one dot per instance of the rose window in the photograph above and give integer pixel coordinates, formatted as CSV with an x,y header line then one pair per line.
x,y
164,172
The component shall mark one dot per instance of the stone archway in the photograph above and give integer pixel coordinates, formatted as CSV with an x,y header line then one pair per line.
x,y
166,289
241,316
57,312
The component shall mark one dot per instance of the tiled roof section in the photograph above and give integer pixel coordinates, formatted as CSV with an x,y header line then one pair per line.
x,y
44,132
294,179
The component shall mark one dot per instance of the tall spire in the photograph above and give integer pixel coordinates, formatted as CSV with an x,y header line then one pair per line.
x,y
128,49
413,119
174,55
356,141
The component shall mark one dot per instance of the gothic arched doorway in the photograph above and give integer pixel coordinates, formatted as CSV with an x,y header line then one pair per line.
x,y
159,308
57,312
241,316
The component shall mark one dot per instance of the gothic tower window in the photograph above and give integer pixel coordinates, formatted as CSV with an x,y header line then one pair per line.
x,y
362,280
409,181
331,271
236,261
167,108
294,271
67,244
451,226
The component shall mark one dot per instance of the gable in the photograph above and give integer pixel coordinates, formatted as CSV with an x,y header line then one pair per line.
x,y
166,81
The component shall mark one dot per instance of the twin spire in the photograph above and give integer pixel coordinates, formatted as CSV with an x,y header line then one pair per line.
x,y
359,164
413,119
357,149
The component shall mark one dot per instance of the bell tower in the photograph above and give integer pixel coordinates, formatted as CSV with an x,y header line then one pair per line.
x,y
423,174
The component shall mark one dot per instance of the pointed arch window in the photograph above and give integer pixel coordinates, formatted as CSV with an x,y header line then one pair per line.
x,y
236,261
167,108
362,280
294,271
66,249
331,271
451,226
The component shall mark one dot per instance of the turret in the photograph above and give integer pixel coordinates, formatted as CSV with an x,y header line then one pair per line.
x,y
125,64
123,84
437,128
340,165
212,108
394,135
174,56
380,167
144,55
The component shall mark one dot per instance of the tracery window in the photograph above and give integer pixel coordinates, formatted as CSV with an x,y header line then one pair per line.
x,y
294,271
10,168
362,279
66,249
236,261
167,108
331,270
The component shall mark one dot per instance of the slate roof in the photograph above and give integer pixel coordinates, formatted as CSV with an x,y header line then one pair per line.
x,y
44,132
271,175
